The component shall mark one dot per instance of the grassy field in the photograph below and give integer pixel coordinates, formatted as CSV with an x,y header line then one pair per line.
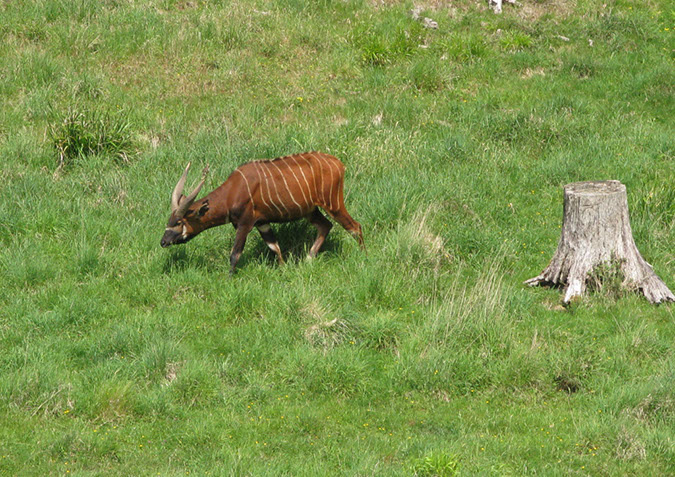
x,y
426,356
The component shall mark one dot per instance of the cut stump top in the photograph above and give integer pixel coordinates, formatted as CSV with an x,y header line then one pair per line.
x,y
595,188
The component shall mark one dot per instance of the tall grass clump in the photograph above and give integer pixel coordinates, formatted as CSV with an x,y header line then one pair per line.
x,y
464,48
92,132
515,41
392,40
436,464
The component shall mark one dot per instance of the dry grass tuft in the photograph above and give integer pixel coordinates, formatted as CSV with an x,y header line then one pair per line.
x,y
171,373
529,72
417,241
325,333
651,407
629,447
533,11
429,240
463,310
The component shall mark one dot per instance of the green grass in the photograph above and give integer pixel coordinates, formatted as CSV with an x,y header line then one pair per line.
x,y
82,134
426,356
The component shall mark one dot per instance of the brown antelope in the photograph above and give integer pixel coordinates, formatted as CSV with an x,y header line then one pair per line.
x,y
261,192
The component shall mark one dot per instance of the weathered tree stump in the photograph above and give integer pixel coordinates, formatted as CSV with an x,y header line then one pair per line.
x,y
596,230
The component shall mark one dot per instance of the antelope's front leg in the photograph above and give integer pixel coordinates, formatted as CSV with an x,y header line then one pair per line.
x,y
239,242
271,241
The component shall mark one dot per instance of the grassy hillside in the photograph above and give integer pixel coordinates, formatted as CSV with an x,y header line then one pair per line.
x,y
426,356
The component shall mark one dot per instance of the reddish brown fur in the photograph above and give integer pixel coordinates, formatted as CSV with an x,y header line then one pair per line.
x,y
279,190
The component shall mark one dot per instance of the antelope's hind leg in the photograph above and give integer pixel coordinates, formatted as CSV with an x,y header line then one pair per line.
x,y
323,225
271,240
343,218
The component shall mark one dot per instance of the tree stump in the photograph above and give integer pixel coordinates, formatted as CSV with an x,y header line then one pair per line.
x,y
595,231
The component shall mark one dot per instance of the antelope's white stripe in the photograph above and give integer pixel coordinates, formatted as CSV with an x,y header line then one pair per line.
x,y
342,191
262,195
320,172
269,190
274,183
287,188
309,191
339,189
330,194
338,184
248,188
313,176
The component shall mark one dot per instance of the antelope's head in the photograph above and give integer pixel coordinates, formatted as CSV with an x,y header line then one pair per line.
x,y
185,220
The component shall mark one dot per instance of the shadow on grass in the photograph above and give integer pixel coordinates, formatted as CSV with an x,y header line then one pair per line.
x,y
294,238
177,259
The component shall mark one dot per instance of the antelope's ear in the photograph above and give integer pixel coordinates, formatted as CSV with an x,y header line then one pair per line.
x,y
203,209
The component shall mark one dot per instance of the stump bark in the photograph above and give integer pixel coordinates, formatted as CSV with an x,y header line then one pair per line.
x,y
596,230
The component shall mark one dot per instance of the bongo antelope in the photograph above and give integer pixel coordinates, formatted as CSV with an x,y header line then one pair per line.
x,y
262,192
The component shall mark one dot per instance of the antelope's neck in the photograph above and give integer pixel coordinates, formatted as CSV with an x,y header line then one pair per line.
x,y
218,212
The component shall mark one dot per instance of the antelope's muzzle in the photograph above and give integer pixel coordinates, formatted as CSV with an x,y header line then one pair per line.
x,y
171,238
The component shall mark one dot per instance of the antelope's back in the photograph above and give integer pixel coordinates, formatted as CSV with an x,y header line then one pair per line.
x,y
290,187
